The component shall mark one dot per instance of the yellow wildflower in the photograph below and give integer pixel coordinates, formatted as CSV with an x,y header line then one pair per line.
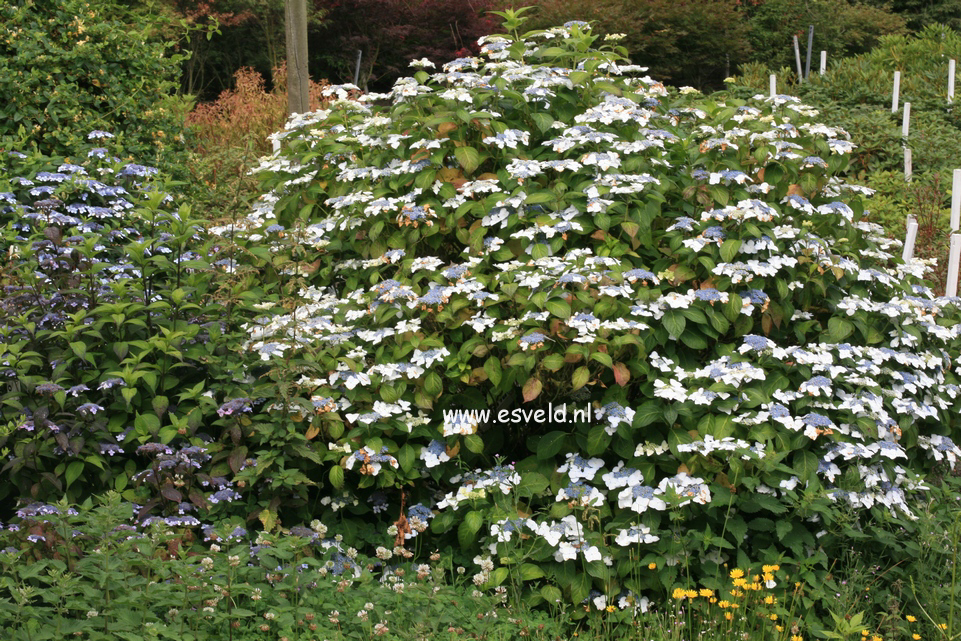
x,y
770,599
910,618
770,568
724,604
772,617
691,594
739,582
652,566
737,573
864,633
611,608
943,626
678,593
796,638
916,636
876,638
728,616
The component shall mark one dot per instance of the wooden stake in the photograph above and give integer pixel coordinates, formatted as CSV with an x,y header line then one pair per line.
x,y
956,200
951,287
897,90
912,236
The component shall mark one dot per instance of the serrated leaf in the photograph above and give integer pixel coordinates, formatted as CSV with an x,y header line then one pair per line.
x,y
783,528
269,519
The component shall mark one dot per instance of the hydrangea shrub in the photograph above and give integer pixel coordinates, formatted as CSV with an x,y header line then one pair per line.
x,y
546,225
111,322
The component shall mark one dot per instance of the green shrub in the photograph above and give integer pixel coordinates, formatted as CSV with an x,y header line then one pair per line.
x,y
68,67
684,43
113,323
543,227
841,28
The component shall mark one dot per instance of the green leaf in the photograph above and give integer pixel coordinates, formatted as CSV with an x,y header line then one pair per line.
x,y
474,443
530,571
468,158
433,385
597,440
493,369
580,377
648,412
74,470
336,476
552,362
603,358
468,528
559,308
674,323
543,121
729,249
550,444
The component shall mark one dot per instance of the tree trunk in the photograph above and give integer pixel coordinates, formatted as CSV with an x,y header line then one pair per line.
x,y
295,26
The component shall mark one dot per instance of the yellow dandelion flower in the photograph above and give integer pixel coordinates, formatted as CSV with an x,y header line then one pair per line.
x,y
707,594
724,604
772,617
611,608
770,568
740,582
916,636
864,633
910,618
796,638
779,628
876,638
754,586
943,626
735,606
678,593
770,599
737,573
728,615
691,594
767,576
652,566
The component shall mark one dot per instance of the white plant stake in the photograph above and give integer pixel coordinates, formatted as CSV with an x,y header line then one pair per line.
x,y
905,123
908,166
951,70
824,62
797,57
897,90
956,200
773,86
951,287
912,236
